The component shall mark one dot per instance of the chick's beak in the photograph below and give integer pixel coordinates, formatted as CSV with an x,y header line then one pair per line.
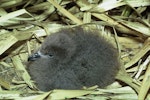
x,y
34,56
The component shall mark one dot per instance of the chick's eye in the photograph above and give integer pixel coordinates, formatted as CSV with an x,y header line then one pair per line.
x,y
51,55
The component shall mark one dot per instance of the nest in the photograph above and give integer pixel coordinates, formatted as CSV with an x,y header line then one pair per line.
x,y
25,24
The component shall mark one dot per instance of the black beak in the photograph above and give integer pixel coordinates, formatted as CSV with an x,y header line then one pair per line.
x,y
34,56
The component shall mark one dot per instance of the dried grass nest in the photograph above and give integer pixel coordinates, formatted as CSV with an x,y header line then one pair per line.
x,y
25,24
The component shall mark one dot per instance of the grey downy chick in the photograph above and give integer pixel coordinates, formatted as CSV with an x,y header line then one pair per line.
x,y
72,58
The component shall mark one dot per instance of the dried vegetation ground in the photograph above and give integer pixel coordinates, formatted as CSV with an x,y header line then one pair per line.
x,y
25,23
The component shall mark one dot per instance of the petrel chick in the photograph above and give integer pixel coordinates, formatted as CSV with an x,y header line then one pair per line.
x,y
72,58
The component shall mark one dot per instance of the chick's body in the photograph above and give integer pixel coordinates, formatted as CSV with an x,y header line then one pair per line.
x,y
73,58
